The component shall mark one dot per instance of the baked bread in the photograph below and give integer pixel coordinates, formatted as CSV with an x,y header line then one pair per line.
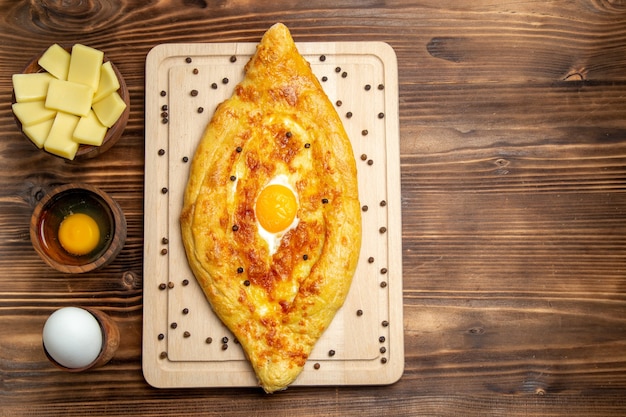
x,y
271,219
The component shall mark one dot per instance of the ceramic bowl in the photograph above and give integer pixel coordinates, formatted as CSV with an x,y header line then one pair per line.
x,y
114,133
68,199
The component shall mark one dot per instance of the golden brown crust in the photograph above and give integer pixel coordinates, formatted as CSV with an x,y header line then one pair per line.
x,y
278,122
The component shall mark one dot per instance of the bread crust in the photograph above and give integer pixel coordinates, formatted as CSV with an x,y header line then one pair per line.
x,y
279,122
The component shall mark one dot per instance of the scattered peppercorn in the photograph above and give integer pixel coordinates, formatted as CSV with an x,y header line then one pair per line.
x,y
338,103
170,285
324,78
194,93
344,74
233,58
186,334
163,251
162,286
383,284
305,257
322,58
225,346
382,229
370,259
239,149
195,71
164,241
185,282
316,366
164,120
307,145
364,132
331,353
200,109
208,340
214,86
370,162
164,190
240,270
163,93
288,134
185,159
164,114
338,69
359,313
381,87
368,87
324,201
363,157
224,339
385,323
233,178
174,325
163,355
235,228
349,114
381,339
383,203
383,360
365,208
188,60
185,311
383,349
224,80
383,271
164,107
246,283
381,115
161,336
161,152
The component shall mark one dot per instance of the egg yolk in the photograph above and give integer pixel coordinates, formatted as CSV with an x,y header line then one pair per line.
x,y
79,234
276,208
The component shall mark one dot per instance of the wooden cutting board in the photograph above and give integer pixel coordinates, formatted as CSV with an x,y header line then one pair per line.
x,y
184,343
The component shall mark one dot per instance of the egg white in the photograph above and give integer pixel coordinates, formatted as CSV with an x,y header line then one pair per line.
x,y
273,239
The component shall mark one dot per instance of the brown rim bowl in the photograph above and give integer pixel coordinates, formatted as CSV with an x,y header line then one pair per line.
x,y
114,133
77,198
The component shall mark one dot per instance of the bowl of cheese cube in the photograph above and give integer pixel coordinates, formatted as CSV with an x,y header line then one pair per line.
x,y
72,102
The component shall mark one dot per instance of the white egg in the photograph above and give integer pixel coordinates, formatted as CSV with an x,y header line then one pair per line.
x,y
72,337
273,239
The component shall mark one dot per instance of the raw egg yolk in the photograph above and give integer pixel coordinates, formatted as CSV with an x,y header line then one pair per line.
x,y
276,208
79,234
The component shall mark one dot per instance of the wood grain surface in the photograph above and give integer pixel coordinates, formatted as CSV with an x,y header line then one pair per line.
x,y
513,171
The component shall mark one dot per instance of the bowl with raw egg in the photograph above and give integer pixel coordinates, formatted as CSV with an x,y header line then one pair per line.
x,y
71,101
77,228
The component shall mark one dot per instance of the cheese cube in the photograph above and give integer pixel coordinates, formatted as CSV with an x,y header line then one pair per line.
x,y
32,112
69,97
85,65
31,87
89,130
38,133
59,140
109,109
108,82
56,61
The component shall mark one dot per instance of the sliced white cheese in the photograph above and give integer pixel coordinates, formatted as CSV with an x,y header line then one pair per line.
x,y
109,109
59,140
89,130
31,87
85,65
69,97
108,82
56,61
38,133
32,112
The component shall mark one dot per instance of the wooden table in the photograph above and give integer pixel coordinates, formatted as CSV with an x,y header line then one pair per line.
x,y
513,169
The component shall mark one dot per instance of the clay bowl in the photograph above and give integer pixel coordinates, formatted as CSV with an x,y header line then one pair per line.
x,y
110,342
77,198
113,134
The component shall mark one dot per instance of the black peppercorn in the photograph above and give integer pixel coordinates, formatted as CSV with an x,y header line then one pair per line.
x,y
235,228
240,270
188,60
